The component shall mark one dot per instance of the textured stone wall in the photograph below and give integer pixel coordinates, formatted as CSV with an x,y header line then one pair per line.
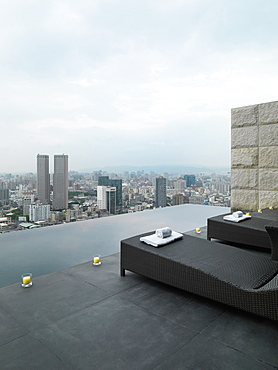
x,y
254,153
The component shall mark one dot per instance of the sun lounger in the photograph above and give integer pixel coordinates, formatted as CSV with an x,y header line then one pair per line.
x,y
226,274
249,232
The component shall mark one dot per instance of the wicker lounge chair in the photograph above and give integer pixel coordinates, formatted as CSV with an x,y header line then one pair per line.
x,y
223,273
249,232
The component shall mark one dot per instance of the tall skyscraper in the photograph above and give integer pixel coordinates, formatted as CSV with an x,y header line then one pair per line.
x,y
190,180
106,198
60,182
43,179
26,202
117,183
103,181
4,193
160,192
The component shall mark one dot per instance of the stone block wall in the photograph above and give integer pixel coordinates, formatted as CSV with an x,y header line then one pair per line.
x,y
254,156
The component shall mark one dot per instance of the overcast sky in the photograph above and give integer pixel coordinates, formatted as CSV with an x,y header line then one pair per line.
x,y
136,82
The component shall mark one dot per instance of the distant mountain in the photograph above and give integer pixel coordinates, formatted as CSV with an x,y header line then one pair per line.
x,y
175,169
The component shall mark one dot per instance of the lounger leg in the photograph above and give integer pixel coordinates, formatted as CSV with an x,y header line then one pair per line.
x,y
122,272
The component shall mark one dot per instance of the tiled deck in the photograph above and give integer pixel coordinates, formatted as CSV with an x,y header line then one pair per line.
x,y
87,317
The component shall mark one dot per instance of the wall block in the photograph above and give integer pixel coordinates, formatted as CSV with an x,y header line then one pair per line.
x,y
254,156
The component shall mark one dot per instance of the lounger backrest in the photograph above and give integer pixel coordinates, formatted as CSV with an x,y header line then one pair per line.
x,y
272,230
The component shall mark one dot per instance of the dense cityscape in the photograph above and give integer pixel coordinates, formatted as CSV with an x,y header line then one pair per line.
x,y
34,200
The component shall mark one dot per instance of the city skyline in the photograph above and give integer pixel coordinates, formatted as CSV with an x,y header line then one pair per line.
x,y
95,195
121,170
131,83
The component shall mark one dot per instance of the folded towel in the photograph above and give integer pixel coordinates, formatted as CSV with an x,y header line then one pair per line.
x,y
155,241
165,232
235,219
238,214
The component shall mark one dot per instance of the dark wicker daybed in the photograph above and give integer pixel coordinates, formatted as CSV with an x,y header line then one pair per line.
x,y
223,273
249,232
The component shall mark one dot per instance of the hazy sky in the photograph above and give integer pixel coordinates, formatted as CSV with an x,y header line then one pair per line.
x,y
132,82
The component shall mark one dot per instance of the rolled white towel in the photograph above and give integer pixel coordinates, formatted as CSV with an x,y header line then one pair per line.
x,y
165,232
238,214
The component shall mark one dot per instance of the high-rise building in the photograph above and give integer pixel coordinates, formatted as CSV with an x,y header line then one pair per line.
x,y
43,179
179,185
160,192
60,182
39,212
26,202
111,199
101,197
106,198
190,180
4,193
103,181
117,183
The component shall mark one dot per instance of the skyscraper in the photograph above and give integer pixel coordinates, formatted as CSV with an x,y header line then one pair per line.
x,y
43,179
4,195
60,182
190,180
160,192
103,181
117,183
106,198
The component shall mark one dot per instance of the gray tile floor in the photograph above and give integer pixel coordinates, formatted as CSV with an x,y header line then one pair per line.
x,y
88,317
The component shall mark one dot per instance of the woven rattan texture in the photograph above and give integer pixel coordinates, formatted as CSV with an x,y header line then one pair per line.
x,y
272,230
250,232
182,264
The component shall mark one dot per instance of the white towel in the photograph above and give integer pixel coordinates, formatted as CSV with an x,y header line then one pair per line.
x,y
155,241
238,214
165,232
235,218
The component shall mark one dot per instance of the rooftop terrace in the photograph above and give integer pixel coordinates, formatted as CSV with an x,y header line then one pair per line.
x,y
89,317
